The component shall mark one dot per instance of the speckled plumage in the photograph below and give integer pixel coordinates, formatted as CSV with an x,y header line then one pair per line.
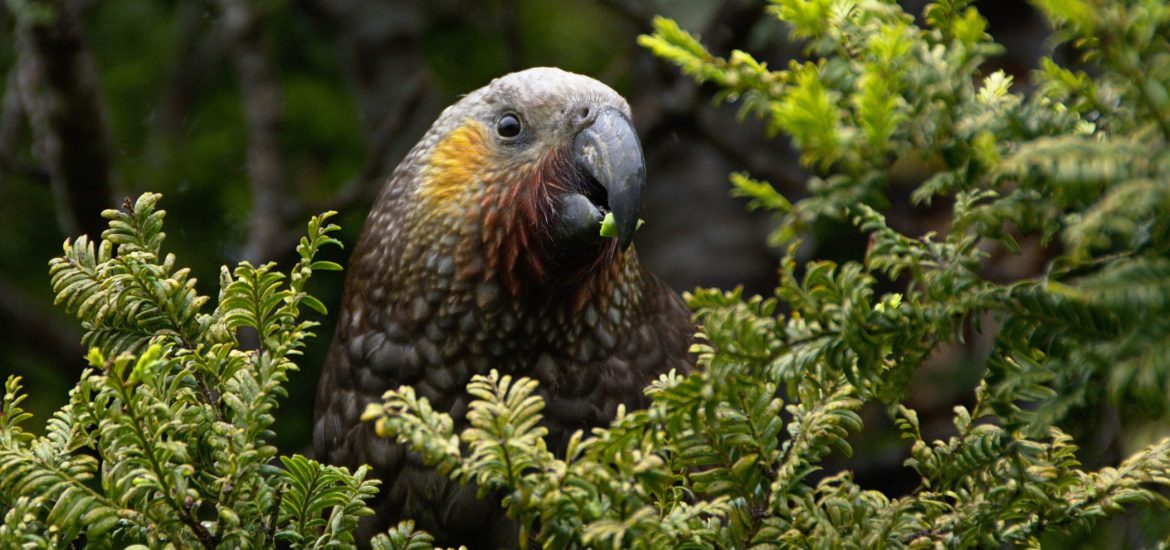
x,y
457,272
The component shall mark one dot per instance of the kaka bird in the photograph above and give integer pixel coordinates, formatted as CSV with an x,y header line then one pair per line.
x,y
483,252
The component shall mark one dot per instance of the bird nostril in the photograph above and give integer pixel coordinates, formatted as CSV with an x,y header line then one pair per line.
x,y
583,114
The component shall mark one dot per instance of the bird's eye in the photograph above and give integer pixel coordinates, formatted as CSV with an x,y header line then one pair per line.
x,y
508,126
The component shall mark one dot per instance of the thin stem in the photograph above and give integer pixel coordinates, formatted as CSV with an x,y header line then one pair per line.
x,y
270,532
136,424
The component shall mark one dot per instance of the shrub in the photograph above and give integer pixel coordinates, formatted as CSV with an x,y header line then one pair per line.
x,y
163,441
729,456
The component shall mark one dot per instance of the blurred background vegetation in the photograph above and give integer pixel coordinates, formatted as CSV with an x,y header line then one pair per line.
x,y
251,115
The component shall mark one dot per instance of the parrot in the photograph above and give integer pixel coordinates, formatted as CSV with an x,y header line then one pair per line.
x,y
484,250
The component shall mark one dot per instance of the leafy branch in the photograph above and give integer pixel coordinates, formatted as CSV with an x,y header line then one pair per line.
x,y
734,455
166,441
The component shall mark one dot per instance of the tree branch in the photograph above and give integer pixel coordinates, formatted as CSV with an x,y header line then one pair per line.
x,y
639,12
57,78
198,52
365,31
11,122
394,95
261,95
11,115
730,23
384,139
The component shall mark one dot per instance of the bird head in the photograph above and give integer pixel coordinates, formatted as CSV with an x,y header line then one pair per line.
x,y
529,166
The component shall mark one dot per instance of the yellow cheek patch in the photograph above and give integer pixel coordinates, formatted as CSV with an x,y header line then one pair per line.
x,y
454,167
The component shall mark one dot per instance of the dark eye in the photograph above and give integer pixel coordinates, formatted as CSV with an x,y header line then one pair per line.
x,y
508,126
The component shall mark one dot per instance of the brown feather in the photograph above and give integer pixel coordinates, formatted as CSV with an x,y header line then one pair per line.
x,y
456,272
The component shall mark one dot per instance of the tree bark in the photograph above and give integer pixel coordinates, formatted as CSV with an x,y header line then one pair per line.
x,y
262,98
57,77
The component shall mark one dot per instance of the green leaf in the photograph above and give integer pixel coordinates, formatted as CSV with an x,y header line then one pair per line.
x,y
609,226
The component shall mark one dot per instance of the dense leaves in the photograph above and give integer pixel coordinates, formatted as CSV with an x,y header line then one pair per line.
x,y
166,439
732,455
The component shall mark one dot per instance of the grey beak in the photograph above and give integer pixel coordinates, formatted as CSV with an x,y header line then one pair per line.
x,y
608,149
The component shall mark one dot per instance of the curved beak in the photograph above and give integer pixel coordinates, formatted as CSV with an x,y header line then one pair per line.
x,y
608,150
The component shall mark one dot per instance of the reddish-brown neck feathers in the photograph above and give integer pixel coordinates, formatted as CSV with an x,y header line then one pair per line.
x,y
514,208
513,230
518,244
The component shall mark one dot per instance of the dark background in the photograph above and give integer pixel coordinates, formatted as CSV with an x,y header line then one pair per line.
x,y
249,116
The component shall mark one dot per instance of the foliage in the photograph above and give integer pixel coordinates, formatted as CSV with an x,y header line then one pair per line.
x,y
730,456
166,439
